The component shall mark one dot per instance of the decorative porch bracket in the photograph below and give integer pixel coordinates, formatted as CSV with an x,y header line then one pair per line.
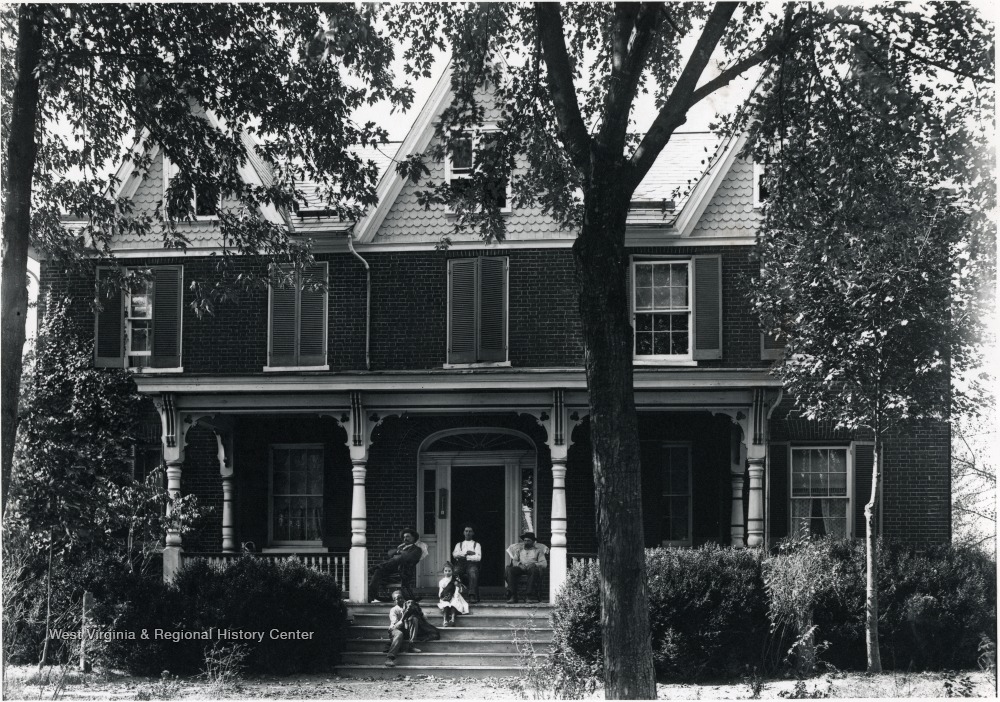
x,y
222,426
173,440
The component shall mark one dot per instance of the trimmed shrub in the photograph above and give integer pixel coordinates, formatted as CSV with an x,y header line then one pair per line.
x,y
934,605
249,595
708,613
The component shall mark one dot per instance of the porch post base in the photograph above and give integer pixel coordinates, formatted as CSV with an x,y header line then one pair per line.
x,y
173,561
359,574
557,571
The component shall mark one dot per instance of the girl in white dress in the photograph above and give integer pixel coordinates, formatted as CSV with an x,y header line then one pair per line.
x,y
450,599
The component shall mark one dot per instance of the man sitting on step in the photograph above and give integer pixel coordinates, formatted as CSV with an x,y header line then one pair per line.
x,y
403,560
526,558
407,624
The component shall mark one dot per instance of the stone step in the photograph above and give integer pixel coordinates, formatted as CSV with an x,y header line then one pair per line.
x,y
444,645
430,608
478,618
459,633
432,660
380,672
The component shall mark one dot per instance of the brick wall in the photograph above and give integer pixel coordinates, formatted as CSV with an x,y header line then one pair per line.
x,y
409,311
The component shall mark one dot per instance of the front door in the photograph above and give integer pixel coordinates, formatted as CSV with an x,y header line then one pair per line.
x,y
478,498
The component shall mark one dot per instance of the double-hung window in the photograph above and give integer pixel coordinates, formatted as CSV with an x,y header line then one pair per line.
x,y
296,505
141,326
297,319
821,493
676,307
459,165
477,310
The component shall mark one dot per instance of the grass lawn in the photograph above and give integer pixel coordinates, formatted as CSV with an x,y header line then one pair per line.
x,y
55,683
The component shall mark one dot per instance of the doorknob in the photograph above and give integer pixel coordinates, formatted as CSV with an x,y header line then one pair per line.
x,y
443,503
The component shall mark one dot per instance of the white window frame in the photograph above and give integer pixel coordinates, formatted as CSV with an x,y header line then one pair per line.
x,y
848,498
662,358
169,169
475,135
150,294
690,495
290,544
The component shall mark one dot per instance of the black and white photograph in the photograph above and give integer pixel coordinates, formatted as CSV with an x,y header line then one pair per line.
x,y
496,350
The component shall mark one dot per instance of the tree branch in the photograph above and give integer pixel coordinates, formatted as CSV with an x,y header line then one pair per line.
x,y
674,112
734,71
572,130
635,29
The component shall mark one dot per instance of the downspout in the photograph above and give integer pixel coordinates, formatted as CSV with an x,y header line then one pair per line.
x,y
368,297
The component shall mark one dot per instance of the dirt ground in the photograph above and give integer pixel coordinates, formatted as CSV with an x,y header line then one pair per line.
x,y
23,683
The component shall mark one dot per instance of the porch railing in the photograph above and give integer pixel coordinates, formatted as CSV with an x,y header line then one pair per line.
x,y
333,564
582,557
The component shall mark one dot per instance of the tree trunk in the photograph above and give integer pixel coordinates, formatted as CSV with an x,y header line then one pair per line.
x,y
599,254
21,151
871,567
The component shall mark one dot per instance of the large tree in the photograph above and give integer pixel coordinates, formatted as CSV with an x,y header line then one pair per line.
x,y
567,80
80,81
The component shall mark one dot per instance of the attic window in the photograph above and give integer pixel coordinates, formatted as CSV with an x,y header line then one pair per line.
x,y
461,159
204,204
760,191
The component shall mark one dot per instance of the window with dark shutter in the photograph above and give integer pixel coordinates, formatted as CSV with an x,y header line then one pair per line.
x,y
109,332
477,309
707,307
864,461
141,327
298,320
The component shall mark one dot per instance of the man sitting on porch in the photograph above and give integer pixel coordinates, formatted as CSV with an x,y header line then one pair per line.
x,y
526,558
403,560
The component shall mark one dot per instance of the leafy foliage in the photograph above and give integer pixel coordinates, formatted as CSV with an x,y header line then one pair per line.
x,y
248,595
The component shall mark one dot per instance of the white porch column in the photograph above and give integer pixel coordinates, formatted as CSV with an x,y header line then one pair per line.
x,y
755,517
559,440
359,441
172,440
224,439
756,456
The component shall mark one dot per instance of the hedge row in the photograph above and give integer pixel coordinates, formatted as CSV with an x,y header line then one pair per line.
x,y
717,612
299,613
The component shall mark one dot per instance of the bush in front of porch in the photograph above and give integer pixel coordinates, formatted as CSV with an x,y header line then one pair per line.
x,y
708,613
284,616
717,612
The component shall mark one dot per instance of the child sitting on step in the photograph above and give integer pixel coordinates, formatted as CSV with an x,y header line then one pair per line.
x,y
450,599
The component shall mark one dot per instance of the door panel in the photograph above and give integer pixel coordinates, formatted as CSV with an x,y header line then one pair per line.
x,y
478,498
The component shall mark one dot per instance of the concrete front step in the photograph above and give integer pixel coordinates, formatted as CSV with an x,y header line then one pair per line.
x,y
506,645
382,673
459,633
474,619
431,658
430,608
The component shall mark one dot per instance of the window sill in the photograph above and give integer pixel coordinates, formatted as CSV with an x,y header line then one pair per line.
x,y
146,370
684,362
278,369
490,364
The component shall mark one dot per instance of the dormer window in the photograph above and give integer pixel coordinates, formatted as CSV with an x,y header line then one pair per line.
x,y
760,192
204,205
461,158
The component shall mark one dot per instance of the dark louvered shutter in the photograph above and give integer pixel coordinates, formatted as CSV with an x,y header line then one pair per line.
x,y
492,309
864,460
777,508
312,316
167,310
462,304
109,332
283,325
707,307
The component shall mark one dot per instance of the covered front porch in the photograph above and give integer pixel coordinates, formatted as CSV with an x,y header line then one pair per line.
x,y
313,468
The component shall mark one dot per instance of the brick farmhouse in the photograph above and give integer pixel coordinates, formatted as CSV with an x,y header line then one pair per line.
x,y
435,387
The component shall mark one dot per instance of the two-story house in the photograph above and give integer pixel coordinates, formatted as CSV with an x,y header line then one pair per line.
x,y
432,388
